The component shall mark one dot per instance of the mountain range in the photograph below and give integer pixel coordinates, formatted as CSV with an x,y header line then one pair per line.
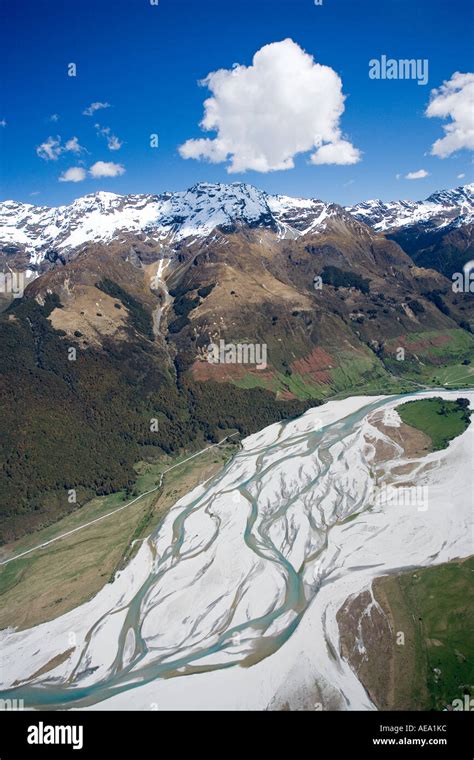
x,y
442,209
436,232
35,234
127,293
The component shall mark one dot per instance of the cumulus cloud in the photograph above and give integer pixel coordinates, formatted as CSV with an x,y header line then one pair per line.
x,y
454,100
420,174
113,142
97,170
267,113
3,123
74,174
52,148
106,169
338,152
54,117
90,110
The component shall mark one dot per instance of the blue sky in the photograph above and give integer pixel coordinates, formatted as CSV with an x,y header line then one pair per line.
x,y
145,61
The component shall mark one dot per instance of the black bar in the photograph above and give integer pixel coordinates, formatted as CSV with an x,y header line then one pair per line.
x,y
317,734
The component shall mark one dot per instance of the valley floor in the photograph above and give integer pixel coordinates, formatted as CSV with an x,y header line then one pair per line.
x,y
251,570
49,581
409,638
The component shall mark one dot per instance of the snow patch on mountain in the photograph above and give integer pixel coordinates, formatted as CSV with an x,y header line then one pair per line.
x,y
194,213
97,217
203,210
301,215
446,208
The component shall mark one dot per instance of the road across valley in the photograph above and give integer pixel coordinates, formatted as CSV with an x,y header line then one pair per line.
x,y
119,509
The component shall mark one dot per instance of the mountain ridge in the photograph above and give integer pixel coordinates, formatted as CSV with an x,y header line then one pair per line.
x,y
32,235
443,207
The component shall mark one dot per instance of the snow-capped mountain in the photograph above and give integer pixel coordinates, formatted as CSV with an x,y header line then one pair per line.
x,y
169,217
442,209
35,233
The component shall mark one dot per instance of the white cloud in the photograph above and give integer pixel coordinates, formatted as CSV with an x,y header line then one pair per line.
x,y
338,152
3,123
113,142
106,169
54,117
420,174
461,176
73,146
52,148
454,100
74,174
90,110
265,114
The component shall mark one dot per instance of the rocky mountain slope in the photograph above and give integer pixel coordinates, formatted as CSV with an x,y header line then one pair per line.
x,y
440,209
437,232
35,234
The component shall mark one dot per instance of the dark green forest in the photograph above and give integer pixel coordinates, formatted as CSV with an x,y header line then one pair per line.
x,y
83,424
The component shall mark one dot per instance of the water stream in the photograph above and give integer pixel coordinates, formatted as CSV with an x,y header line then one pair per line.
x,y
233,569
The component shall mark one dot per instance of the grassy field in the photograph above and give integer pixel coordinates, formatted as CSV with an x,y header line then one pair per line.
x,y
440,358
434,608
355,373
361,375
57,578
303,387
456,375
440,420
449,376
